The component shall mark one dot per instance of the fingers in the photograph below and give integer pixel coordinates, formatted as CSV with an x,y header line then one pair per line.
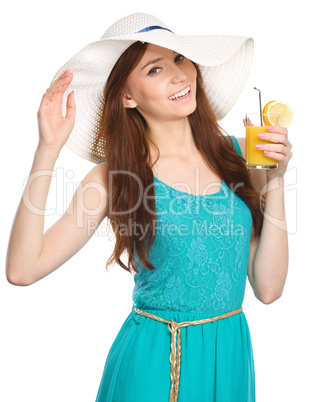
x,y
71,107
278,148
273,137
274,155
52,99
277,129
59,85
248,123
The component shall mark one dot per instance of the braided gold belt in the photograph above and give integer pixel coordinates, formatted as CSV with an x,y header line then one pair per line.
x,y
175,354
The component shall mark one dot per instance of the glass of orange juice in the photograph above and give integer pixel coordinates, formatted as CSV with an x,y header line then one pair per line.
x,y
255,158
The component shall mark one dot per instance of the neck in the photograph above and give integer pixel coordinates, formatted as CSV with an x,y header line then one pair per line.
x,y
173,138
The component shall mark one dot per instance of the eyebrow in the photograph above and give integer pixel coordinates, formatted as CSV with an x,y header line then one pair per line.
x,y
154,61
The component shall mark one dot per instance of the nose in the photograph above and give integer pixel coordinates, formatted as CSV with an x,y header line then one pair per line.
x,y
178,74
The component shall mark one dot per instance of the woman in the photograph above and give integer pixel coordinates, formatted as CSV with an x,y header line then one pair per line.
x,y
147,108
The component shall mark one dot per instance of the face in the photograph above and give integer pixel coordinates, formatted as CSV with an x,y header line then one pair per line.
x,y
159,86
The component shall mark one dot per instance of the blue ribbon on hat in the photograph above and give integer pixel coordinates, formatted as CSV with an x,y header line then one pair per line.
x,y
153,27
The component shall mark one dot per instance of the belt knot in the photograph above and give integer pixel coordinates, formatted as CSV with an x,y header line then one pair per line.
x,y
173,326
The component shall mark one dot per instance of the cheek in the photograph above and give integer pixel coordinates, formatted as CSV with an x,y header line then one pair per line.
x,y
152,93
146,96
192,71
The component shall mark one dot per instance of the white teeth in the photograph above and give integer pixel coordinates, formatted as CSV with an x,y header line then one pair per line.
x,y
179,94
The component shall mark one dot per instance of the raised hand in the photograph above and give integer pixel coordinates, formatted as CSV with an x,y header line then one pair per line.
x,y
54,128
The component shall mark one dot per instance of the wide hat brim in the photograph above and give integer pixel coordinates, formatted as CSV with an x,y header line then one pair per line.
x,y
225,62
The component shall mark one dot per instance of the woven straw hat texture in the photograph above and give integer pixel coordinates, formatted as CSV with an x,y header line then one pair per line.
x,y
225,62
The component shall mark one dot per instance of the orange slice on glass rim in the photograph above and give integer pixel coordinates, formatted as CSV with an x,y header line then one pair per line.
x,y
279,107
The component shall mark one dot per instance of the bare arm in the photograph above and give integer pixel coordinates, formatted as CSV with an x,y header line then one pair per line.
x,y
30,254
268,259
270,264
25,240
33,255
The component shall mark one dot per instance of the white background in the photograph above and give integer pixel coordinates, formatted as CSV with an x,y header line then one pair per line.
x,y
55,334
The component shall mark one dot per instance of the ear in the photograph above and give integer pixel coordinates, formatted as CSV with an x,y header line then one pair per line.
x,y
128,101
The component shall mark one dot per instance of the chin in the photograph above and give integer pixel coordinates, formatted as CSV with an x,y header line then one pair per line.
x,y
188,111
192,109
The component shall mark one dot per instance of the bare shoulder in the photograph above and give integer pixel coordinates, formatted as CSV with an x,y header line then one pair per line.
x,y
241,142
99,173
257,176
94,185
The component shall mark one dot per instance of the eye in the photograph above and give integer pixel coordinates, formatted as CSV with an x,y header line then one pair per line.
x,y
153,69
180,55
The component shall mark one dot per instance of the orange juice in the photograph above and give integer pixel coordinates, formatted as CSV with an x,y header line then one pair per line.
x,y
255,158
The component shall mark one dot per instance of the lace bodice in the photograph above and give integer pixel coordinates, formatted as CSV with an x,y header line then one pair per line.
x,y
200,251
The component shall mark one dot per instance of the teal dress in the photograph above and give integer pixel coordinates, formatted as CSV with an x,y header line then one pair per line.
x,y
201,253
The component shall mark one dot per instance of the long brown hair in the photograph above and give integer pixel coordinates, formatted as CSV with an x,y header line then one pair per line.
x,y
124,131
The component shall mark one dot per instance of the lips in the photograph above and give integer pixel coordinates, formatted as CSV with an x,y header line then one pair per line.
x,y
183,93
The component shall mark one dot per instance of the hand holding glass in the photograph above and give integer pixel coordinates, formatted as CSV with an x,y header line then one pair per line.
x,y
255,158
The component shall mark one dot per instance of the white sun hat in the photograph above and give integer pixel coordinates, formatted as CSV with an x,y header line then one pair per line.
x,y
225,62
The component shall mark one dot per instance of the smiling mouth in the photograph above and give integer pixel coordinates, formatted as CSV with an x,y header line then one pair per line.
x,y
181,94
